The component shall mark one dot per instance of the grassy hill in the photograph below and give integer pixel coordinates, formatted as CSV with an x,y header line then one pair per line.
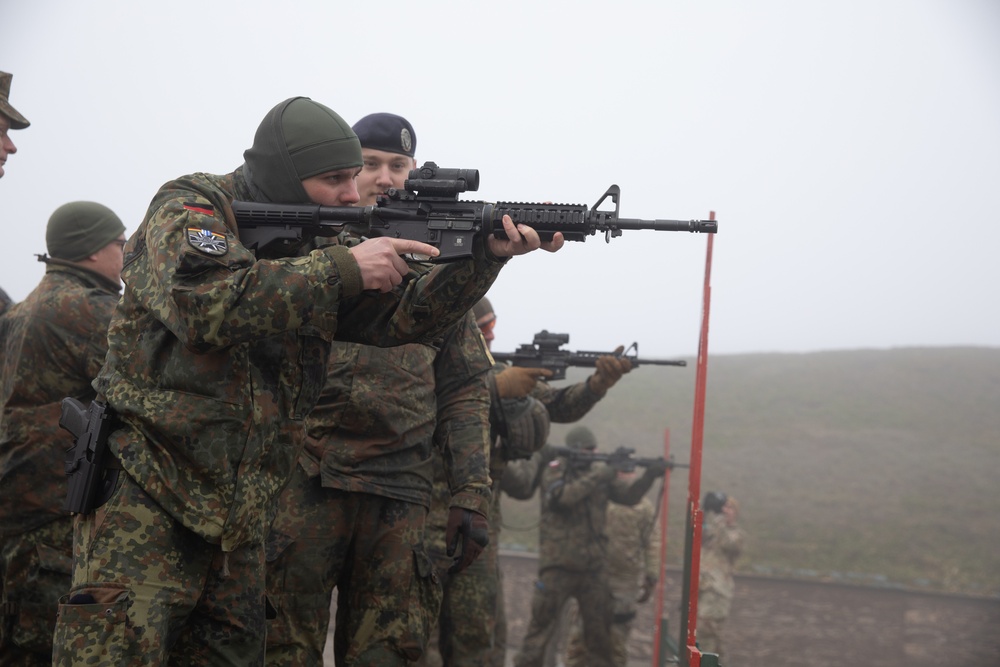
x,y
874,466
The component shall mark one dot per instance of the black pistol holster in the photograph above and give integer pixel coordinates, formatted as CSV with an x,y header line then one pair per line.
x,y
91,479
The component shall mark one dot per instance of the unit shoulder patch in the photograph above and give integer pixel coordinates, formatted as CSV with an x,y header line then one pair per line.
x,y
207,241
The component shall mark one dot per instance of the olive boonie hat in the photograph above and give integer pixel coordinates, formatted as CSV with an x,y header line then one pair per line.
x,y
17,121
81,228
386,132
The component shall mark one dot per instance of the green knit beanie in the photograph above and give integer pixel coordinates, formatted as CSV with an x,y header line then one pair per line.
x,y
581,437
81,228
297,139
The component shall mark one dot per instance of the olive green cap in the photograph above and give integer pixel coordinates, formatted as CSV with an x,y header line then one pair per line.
x,y
81,228
297,139
581,437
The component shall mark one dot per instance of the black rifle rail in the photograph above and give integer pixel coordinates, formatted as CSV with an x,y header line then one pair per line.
x,y
622,456
544,352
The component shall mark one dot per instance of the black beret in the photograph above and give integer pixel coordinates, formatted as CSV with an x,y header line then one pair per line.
x,y
386,132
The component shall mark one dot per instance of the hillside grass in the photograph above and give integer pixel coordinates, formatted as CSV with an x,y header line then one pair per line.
x,y
870,466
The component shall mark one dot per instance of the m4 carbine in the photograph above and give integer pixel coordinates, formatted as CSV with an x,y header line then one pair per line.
x,y
621,458
428,210
544,352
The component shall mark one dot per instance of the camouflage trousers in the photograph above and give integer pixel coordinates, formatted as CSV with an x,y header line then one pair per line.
x,y
148,591
552,589
713,610
465,627
576,647
34,573
371,549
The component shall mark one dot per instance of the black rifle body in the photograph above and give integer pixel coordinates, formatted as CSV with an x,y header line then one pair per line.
x,y
85,463
428,210
621,458
544,352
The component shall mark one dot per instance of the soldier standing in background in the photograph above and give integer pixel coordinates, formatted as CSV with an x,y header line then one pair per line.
x,y
472,625
633,569
215,358
10,119
721,545
52,345
353,515
573,546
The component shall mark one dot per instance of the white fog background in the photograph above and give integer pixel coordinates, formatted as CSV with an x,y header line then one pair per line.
x,y
850,149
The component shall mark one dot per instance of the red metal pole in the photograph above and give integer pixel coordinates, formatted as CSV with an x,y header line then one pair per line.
x,y
664,502
694,473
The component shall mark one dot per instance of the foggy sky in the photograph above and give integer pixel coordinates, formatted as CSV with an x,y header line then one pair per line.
x,y
850,150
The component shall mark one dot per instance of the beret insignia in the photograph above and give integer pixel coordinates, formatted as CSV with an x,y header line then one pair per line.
x,y
207,241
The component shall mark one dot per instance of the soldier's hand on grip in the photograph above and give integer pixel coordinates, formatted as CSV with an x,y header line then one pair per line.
x,y
471,529
517,381
380,263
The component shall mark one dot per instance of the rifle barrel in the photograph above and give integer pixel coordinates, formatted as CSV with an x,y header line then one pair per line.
x,y
698,226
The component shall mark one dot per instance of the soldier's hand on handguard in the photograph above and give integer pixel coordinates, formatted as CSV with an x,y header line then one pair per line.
x,y
517,381
621,460
657,467
610,369
521,239
379,259
471,529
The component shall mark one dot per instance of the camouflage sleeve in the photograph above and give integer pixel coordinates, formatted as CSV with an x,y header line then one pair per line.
x,y
211,292
562,489
523,476
624,492
100,307
566,404
651,542
462,432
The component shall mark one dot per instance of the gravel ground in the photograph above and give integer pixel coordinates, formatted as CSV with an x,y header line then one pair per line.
x,y
786,623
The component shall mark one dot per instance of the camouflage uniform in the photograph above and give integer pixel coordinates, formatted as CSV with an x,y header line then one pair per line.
x,y
53,344
471,626
633,558
721,546
214,361
5,301
573,547
353,516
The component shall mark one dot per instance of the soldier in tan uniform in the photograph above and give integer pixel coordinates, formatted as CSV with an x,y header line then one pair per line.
x,y
574,548
52,345
633,569
721,545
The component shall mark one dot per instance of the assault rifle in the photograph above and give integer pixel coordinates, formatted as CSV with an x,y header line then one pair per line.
x,y
544,352
427,209
621,458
